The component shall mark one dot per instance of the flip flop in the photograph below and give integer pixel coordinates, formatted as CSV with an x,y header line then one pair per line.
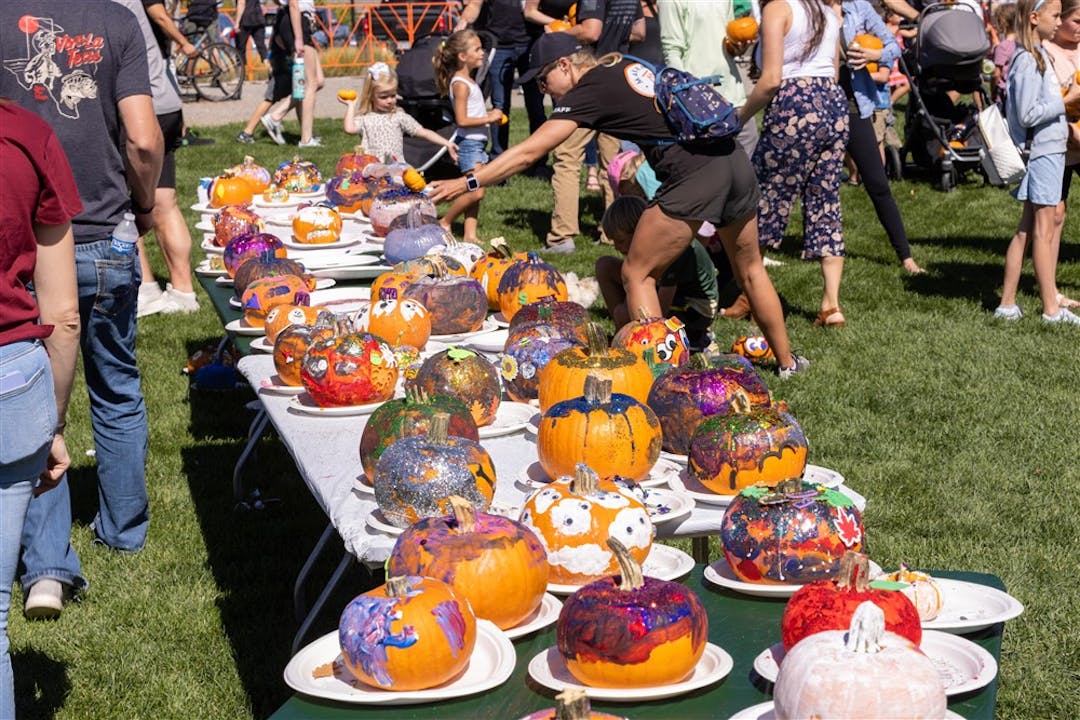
x,y
830,318
1067,302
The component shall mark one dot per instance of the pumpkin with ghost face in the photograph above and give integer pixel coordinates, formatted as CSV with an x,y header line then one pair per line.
x,y
399,321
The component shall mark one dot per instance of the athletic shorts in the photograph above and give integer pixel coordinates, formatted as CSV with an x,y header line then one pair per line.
x,y
172,129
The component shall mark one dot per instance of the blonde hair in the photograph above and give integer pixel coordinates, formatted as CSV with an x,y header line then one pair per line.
x,y
1025,33
387,80
622,216
1003,18
446,58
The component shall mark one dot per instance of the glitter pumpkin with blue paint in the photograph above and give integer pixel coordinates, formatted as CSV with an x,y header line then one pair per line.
x,y
527,353
564,377
527,281
265,293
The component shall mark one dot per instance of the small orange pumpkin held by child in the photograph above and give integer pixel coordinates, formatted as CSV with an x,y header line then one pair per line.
x,y
346,94
873,42
744,29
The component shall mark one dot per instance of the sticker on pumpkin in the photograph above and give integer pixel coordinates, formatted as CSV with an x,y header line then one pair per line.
x,y
848,528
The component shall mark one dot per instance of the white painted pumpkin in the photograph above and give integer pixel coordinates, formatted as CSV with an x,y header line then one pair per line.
x,y
920,589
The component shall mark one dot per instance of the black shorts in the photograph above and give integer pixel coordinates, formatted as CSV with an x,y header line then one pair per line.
x,y
280,84
172,129
721,191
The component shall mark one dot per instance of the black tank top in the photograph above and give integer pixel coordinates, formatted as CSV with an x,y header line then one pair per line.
x,y
505,20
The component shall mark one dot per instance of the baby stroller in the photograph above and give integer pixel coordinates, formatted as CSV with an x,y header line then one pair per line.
x,y
420,97
947,55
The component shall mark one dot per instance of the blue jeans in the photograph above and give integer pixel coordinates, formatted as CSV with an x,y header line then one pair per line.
x,y
28,404
503,65
470,154
107,298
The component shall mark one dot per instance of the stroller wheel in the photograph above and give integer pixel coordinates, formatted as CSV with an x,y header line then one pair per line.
x,y
894,164
948,179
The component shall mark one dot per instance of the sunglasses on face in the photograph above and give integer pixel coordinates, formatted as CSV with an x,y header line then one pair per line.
x,y
541,77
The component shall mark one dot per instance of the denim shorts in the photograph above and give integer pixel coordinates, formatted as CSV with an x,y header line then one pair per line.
x,y
471,153
1042,182
27,402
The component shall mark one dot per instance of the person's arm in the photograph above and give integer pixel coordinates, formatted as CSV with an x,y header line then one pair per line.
x,y
637,30
297,28
1026,91
587,31
890,50
901,8
160,17
460,93
469,13
882,74
436,139
532,13
56,289
349,123
674,40
775,21
144,149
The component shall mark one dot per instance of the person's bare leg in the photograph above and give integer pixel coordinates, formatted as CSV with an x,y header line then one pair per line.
x,y
174,238
144,263
832,270
312,75
1044,257
462,206
609,278
658,242
1014,257
253,122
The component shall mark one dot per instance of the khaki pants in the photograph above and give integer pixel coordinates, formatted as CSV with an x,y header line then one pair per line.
x,y
566,180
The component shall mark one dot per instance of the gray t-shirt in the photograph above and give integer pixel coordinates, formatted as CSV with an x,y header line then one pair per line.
x,y
162,85
71,63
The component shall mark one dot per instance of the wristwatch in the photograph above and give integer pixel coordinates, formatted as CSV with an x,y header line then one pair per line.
x,y
471,183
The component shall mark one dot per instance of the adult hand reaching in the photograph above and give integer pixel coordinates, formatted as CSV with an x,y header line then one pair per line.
x,y
445,190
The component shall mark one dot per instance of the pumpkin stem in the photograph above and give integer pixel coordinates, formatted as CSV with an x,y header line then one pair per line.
x,y
501,248
572,704
398,586
632,578
439,427
585,482
854,571
740,403
413,219
439,269
867,629
464,514
699,361
597,338
417,395
248,160
597,389
643,314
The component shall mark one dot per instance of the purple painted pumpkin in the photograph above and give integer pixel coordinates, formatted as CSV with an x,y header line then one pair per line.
x,y
549,311
457,304
527,353
267,265
251,245
415,239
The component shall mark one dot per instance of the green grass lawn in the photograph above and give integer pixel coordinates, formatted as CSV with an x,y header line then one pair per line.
x,y
962,431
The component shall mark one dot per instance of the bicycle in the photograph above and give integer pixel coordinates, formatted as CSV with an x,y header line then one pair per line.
x,y
216,73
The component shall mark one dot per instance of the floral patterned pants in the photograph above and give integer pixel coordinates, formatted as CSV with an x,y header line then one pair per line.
x,y
800,153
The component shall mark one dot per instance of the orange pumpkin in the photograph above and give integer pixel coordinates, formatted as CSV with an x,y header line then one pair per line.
x,y
571,704
489,269
262,295
661,343
354,161
317,225
558,26
495,563
867,40
349,368
256,175
282,316
346,94
574,516
564,377
527,281
395,280
291,345
413,180
228,189
399,321
409,634
744,29
612,434
465,375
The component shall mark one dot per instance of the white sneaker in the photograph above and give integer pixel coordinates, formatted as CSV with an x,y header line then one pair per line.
x,y
274,129
801,365
313,142
769,262
1063,316
151,299
564,247
177,301
45,600
1009,312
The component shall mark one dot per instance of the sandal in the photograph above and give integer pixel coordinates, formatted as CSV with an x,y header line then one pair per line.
x,y
1067,302
592,183
830,318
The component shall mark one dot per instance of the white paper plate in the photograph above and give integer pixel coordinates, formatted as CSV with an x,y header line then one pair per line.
x,y
304,405
353,272
492,662
204,208
664,562
764,711
240,326
377,521
686,483
204,269
344,299
274,386
545,615
342,241
968,607
363,484
210,248
720,573
490,342
487,327
224,280
675,458
500,320
534,476
293,201
666,505
511,417
262,344
549,669
341,260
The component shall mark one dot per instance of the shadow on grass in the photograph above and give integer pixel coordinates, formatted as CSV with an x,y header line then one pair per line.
x,y
965,281
41,684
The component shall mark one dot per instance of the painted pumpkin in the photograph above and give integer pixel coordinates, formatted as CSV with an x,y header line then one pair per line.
x,y
414,239
794,533
465,253
390,208
456,304
354,162
488,269
316,225
408,416
298,176
860,671
431,266
754,348
747,447
661,343
276,194
744,29
228,189
393,280
564,377
256,175
282,316
526,354
415,476
263,294
349,368
464,375
249,246
830,604
495,563
233,220
291,345
527,281
613,434
548,311
409,634
414,180
686,395
919,587
631,631
399,322
574,517
268,264
867,40
348,193
571,704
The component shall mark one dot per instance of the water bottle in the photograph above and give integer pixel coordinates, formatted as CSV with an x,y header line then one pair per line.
x,y
124,237
298,79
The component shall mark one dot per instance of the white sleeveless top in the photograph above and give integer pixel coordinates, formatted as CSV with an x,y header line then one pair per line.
x,y
820,62
474,108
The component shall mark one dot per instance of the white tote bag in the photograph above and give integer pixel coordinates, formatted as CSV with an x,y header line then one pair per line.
x,y
1003,161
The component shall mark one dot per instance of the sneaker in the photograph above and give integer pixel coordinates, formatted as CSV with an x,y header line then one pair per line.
x,y
313,142
45,600
274,129
769,262
1063,316
177,301
245,138
1009,312
151,299
560,248
801,365
192,138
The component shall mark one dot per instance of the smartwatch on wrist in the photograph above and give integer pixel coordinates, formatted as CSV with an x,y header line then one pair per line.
x,y
471,183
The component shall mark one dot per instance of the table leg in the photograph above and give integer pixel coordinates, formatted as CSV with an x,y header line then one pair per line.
x,y
339,572
301,578
258,424
699,549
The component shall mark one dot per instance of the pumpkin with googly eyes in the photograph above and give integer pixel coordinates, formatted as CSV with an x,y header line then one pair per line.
x,y
574,516
754,348
399,321
661,343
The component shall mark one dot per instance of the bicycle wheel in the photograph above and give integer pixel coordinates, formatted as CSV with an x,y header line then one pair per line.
x,y
218,72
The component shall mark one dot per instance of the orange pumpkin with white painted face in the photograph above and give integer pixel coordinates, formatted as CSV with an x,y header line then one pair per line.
x,y
282,316
264,294
317,225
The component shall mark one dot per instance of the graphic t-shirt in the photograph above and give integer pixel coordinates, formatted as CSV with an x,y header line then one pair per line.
x,y
70,63
617,16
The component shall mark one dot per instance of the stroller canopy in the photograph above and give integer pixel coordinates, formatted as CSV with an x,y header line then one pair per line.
x,y
951,35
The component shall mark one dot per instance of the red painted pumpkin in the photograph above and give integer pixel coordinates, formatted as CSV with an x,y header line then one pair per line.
x,y
234,220
298,176
316,225
256,175
268,264
495,563
291,345
399,322
456,304
794,533
830,604
390,208
489,269
354,162
228,189
249,246
661,343
263,294
631,631
527,281
409,634
527,353
464,375
350,368
564,377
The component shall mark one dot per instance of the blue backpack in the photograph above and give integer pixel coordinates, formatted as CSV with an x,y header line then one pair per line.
x,y
692,107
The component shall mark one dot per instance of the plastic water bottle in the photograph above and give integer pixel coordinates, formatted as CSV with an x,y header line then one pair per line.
x,y
298,79
124,236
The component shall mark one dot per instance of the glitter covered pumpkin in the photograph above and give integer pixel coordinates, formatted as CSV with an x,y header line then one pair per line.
x,y
527,281
564,377
631,631
409,634
456,304
465,375
613,434
349,368
416,475
263,294
567,315
661,343
527,353
794,533
350,192
234,220
574,517
298,176
399,321
248,246
390,209
316,225
268,264
495,563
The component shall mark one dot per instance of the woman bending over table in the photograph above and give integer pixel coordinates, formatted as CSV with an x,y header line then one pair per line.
x,y
713,182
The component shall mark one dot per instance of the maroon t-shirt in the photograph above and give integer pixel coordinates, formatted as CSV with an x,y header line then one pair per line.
x,y
37,187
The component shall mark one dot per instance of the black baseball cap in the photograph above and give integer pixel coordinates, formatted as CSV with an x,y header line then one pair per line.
x,y
548,48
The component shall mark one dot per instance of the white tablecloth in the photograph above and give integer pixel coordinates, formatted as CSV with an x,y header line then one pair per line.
x,y
326,452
